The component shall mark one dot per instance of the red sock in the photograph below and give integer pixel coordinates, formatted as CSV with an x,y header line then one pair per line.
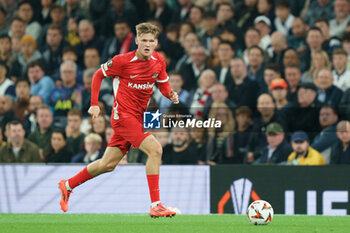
x,y
153,185
79,178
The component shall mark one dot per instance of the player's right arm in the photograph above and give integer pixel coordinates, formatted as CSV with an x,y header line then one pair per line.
x,y
107,69
94,109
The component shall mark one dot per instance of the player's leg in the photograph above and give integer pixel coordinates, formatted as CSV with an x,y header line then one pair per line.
x,y
107,163
154,150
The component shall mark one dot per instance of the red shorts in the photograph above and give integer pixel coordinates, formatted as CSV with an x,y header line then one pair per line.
x,y
127,131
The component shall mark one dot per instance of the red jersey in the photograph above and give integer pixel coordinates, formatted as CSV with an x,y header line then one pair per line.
x,y
133,81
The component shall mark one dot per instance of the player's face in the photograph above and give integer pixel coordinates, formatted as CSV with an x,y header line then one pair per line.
x,y
146,44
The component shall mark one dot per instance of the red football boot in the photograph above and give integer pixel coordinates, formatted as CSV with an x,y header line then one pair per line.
x,y
64,195
161,211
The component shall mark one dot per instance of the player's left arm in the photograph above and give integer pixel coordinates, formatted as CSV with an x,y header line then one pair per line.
x,y
166,90
164,85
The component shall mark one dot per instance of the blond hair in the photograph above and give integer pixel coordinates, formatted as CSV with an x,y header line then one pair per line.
x,y
93,137
229,126
144,28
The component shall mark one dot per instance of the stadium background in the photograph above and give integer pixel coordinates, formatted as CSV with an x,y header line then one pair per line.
x,y
81,34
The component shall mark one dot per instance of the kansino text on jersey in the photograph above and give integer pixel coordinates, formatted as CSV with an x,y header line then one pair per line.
x,y
141,86
210,123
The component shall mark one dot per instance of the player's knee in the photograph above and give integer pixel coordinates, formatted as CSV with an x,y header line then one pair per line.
x,y
157,151
110,166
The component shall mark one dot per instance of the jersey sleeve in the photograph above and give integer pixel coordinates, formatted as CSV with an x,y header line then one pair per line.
x,y
163,76
111,67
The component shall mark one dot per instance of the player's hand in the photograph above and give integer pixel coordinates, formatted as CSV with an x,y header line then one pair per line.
x,y
94,111
174,97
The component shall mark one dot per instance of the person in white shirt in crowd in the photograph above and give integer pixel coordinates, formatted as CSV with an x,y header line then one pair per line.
x,y
263,24
341,74
284,18
342,18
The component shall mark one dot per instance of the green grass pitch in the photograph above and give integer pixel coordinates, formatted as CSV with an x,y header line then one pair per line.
x,y
115,223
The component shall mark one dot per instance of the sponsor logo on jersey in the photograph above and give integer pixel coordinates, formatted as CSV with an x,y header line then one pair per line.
x,y
134,76
151,120
141,86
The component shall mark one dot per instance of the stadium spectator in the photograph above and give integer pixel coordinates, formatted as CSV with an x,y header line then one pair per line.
x,y
42,135
162,12
69,54
279,91
271,72
317,9
88,39
4,25
44,15
340,151
67,95
183,29
26,13
224,19
74,10
30,123
7,56
18,149
327,137
219,145
332,42
2,142
340,73
72,32
314,40
98,125
346,46
213,59
52,50
319,61
256,63
75,137
225,55
6,111
28,53
293,76
183,12
244,91
297,39
327,93
257,139
122,41
219,93
7,87
252,37
92,145
284,18
263,25
198,135
189,41
291,57
59,151
279,46
192,71
266,8
243,117
16,32
40,84
278,149
209,24
200,96
244,13
120,9
342,18
91,58
303,153
21,106
302,114
176,82
181,150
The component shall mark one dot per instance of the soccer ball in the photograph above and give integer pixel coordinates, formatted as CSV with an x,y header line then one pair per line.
x,y
260,212
176,210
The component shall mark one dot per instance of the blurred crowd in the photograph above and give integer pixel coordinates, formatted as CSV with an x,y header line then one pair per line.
x,y
274,72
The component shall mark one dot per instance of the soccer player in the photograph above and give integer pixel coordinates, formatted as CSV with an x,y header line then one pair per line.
x,y
134,75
